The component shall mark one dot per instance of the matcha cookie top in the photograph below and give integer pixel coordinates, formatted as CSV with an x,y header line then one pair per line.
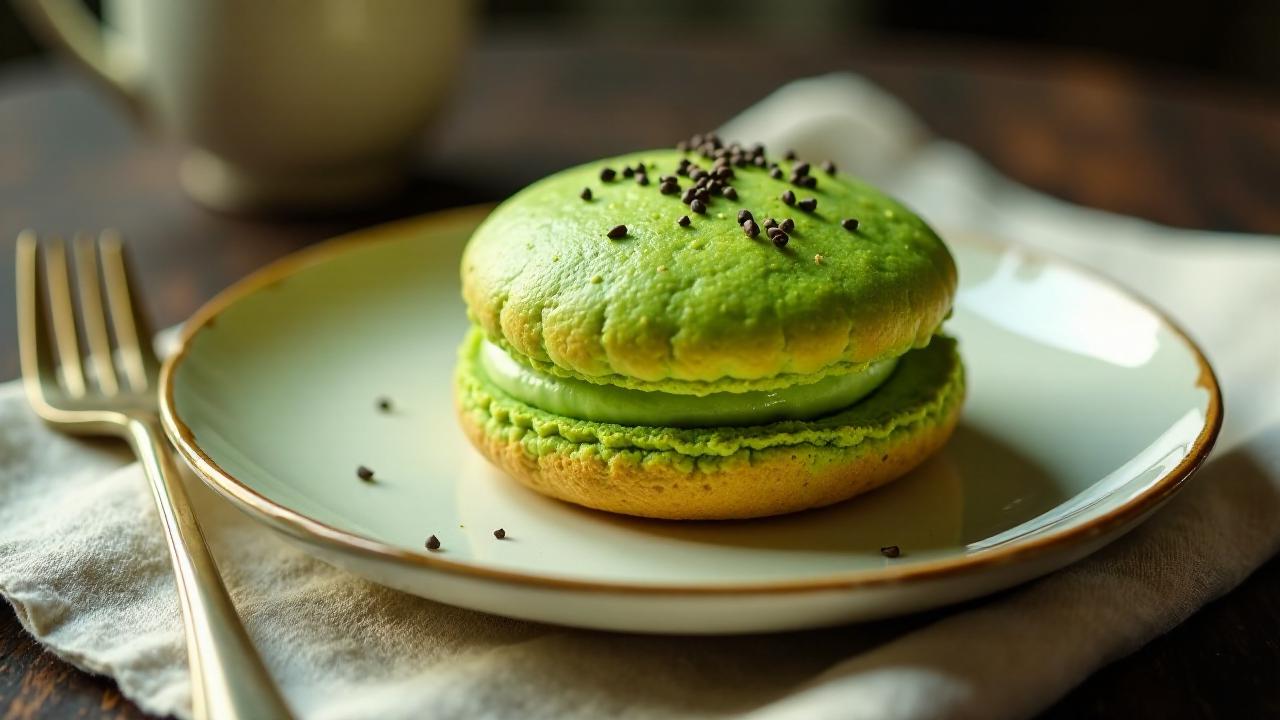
x,y
595,273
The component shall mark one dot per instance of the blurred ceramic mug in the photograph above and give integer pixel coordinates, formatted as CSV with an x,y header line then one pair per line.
x,y
283,104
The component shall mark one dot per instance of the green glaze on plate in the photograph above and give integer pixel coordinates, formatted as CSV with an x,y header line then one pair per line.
x,y
611,404
704,308
1086,410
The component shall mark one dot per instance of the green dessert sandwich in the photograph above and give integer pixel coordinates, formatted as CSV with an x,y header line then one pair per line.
x,y
706,333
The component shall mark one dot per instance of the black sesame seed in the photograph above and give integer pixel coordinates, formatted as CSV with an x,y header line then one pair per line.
x,y
740,160
744,215
770,223
850,224
616,232
642,179
808,204
364,473
628,172
790,154
684,221
698,206
731,193
773,231
808,181
608,174
891,551
776,173
684,162
688,196
698,173
789,197
829,167
384,404
433,543
704,195
585,194
750,228
500,533
779,239
758,161
787,225
668,178
801,169
668,187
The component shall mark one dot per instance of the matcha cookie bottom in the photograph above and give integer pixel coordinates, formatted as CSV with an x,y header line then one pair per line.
x,y
722,472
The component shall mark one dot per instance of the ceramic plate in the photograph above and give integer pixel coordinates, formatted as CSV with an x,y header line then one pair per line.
x,y
1087,409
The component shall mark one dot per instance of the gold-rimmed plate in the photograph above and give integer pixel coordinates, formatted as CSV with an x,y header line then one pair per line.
x,y
1087,409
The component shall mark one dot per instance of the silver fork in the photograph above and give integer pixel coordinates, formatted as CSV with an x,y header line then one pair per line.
x,y
111,389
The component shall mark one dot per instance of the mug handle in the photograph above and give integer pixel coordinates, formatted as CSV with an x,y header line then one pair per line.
x,y
69,26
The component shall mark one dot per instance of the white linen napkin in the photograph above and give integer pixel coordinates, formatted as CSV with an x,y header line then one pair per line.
x,y
83,561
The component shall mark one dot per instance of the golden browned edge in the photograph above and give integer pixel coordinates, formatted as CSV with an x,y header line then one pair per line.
x,y
309,529
776,482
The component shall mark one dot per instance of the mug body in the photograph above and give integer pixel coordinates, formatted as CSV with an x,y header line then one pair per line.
x,y
292,102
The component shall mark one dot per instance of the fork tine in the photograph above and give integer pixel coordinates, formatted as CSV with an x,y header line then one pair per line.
x,y
62,311
34,348
131,330
94,316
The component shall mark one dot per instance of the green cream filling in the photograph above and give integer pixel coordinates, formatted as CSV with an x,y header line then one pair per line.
x,y
925,387
612,404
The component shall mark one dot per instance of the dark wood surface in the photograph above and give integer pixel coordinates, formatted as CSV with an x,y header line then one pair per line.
x,y
1179,152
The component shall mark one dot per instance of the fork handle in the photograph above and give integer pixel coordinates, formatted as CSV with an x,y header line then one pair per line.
x,y
228,679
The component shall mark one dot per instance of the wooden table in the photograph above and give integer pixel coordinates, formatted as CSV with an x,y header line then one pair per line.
x,y
1083,129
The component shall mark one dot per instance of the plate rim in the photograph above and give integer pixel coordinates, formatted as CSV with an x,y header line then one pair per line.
x,y
311,530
